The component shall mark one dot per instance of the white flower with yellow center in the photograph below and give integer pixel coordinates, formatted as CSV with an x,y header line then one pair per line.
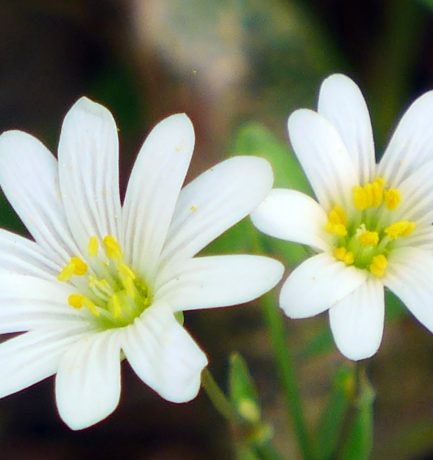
x,y
105,281
371,223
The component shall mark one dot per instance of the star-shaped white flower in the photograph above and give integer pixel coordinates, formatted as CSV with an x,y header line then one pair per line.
x,y
371,223
104,281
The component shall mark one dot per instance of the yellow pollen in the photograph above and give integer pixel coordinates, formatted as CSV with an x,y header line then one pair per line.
x,y
399,229
337,220
78,301
93,246
80,267
344,255
380,181
392,198
75,266
112,248
110,289
368,196
378,265
367,238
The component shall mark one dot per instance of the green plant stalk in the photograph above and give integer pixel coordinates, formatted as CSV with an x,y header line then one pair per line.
x,y
287,372
356,440
226,409
218,398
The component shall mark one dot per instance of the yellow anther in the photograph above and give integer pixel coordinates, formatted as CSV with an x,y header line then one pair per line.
x,y
93,246
399,229
377,191
66,273
344,255
337,220
359,198
392,198
78,301
380,181
337,215
112,248
378,265
75,266
336,229
367,238
80,267
368,196
193,208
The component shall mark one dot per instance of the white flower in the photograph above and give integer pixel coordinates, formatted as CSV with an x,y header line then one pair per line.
x,y
371,224
103,281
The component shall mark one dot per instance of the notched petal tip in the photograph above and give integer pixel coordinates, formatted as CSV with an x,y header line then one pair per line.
x,y
179,129
300,117
85,107
188,392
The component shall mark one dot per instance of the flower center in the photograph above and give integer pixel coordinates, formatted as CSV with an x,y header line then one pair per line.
x,y
366,237
106,285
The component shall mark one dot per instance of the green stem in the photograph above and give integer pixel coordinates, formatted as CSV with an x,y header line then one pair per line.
x,y
286,368
218,398
225,408
351,413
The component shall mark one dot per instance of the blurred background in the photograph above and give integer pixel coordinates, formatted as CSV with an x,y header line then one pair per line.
x,y
237,68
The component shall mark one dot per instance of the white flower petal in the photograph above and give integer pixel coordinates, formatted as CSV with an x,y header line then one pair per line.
x,y
342,103
417,196
422,238
219,281
27,303
213,202
410,277
164,355
29,179
292,216
318,284
324,158
20,255
33,356
411,145
88,380
153,190
357,320
89,171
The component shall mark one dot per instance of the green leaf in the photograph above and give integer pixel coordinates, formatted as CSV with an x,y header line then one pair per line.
x,y
332,420
242,390
359,442
238,239
255,139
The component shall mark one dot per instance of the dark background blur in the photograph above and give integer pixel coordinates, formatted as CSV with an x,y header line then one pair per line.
x,y
224,63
